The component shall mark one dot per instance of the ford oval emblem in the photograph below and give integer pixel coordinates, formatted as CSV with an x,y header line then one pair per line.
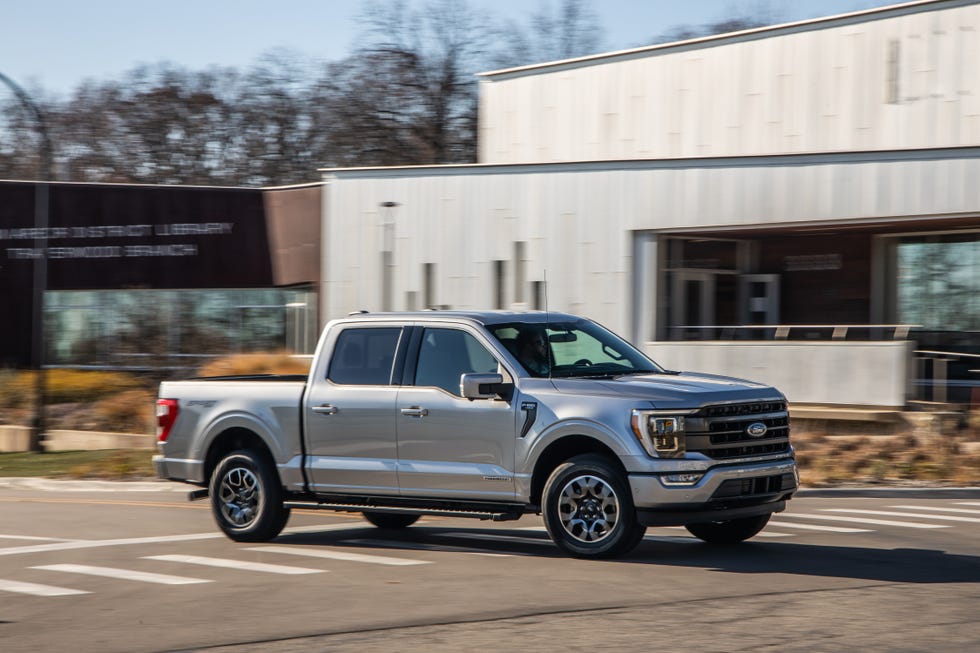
x,y
756,429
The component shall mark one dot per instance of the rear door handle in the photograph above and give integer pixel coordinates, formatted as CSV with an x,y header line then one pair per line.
x,y
326,409
415,411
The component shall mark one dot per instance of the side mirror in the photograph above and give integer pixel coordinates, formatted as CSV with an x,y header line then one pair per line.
x,y
480,386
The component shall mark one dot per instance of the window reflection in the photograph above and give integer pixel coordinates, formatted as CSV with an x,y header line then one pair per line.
x,y
175,328
939,282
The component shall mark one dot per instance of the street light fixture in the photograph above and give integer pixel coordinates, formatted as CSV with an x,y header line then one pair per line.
x,y
40,258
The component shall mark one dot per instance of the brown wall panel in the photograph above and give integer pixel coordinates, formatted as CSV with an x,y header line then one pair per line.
x,y
105,236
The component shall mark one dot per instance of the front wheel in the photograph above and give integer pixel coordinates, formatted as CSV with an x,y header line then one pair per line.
x,y
246,497
588,509
732,531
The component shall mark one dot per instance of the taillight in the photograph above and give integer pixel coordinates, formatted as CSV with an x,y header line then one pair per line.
x,y
166,416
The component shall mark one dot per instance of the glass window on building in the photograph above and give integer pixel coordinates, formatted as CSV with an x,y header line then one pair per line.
x,y
938,282
175,328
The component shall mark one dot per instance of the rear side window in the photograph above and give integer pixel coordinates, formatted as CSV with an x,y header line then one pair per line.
x,y
364,356
446,354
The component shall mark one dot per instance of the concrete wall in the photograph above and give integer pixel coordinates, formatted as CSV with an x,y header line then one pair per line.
x,y
17,438
844,373
900,78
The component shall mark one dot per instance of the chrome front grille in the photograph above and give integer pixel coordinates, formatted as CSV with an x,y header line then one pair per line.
x,y
726,431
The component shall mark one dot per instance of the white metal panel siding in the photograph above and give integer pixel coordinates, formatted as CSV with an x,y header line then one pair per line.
x,y
877,373
578,223
806,91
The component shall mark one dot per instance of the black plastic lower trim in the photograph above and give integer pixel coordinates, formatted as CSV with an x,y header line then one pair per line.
x,y
683,518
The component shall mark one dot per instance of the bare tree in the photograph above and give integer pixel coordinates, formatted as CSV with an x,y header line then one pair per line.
x,y
159,125
281,125
566,29
408,95
759,14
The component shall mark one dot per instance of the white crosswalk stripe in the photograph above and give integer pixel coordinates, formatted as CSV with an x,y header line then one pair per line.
x,y
817,527
240,565
338,555
419,546
35,589
963,511
865,520
124,574
892,513
34,539
968,503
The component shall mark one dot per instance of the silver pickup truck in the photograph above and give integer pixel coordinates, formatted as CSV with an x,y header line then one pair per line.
x,y
491,415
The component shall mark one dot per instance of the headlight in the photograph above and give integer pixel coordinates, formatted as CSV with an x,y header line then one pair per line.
x,y
661,434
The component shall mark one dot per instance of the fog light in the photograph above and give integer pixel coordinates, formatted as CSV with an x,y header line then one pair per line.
x,y
681,479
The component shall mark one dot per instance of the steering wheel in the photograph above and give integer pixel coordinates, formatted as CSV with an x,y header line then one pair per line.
x,y
584,361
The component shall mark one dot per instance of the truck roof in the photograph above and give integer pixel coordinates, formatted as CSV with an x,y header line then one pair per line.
x,y
481,317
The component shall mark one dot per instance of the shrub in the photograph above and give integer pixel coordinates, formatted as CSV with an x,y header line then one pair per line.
x,y
17,389
131,411
259,363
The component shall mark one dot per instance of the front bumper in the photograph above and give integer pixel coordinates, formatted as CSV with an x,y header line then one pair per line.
x,y
725,492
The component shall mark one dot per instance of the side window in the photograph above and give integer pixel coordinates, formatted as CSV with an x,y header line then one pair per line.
x,y
446,354
364,356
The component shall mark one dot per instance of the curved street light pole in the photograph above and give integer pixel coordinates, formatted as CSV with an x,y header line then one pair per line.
x,y
40,259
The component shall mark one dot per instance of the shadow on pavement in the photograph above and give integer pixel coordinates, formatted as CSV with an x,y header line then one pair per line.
x,y
889,565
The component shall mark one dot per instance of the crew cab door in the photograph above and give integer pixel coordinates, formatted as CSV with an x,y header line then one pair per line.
x,y
349,412
448,446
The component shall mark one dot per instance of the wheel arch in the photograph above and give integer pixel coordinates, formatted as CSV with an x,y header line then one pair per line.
x,y
563,449
233,439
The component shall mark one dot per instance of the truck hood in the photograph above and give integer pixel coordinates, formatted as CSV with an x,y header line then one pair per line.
x,y
668,391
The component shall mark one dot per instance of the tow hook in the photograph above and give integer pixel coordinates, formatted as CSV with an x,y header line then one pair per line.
x,y
194,495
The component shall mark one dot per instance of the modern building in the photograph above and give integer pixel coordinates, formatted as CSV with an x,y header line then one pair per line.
x,y
159,276
798,204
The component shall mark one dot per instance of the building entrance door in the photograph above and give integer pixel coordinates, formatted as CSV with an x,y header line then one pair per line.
x,y
694,303
759,298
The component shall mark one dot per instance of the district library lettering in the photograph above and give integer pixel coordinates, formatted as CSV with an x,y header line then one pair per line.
x,y
128,251
120,231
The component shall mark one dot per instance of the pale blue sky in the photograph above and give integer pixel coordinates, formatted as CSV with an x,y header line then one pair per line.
x,y
56,44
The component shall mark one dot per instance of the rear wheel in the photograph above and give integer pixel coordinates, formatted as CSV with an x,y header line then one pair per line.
x,y
246,497
732,531
588,509
391,519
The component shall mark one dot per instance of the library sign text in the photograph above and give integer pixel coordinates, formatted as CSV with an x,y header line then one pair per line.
x,y
85,245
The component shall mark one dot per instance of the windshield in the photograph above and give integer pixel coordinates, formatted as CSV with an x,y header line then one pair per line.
x,y
572,349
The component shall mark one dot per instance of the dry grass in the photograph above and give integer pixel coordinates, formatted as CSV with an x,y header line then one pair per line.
x,y
131,411
260,363
17,388
886,459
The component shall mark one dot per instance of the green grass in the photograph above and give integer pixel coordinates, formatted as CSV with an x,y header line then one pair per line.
x,y
112,464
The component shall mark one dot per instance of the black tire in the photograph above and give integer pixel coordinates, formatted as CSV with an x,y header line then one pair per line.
x,y
247,498
588,509
391,520
729,532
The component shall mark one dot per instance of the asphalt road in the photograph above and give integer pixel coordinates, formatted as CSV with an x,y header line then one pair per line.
x,y
133,567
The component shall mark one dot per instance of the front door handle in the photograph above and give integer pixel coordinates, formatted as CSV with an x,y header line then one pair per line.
x,y
415,411
326,409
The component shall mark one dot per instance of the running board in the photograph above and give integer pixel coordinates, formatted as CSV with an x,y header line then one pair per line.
x,y
443,512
